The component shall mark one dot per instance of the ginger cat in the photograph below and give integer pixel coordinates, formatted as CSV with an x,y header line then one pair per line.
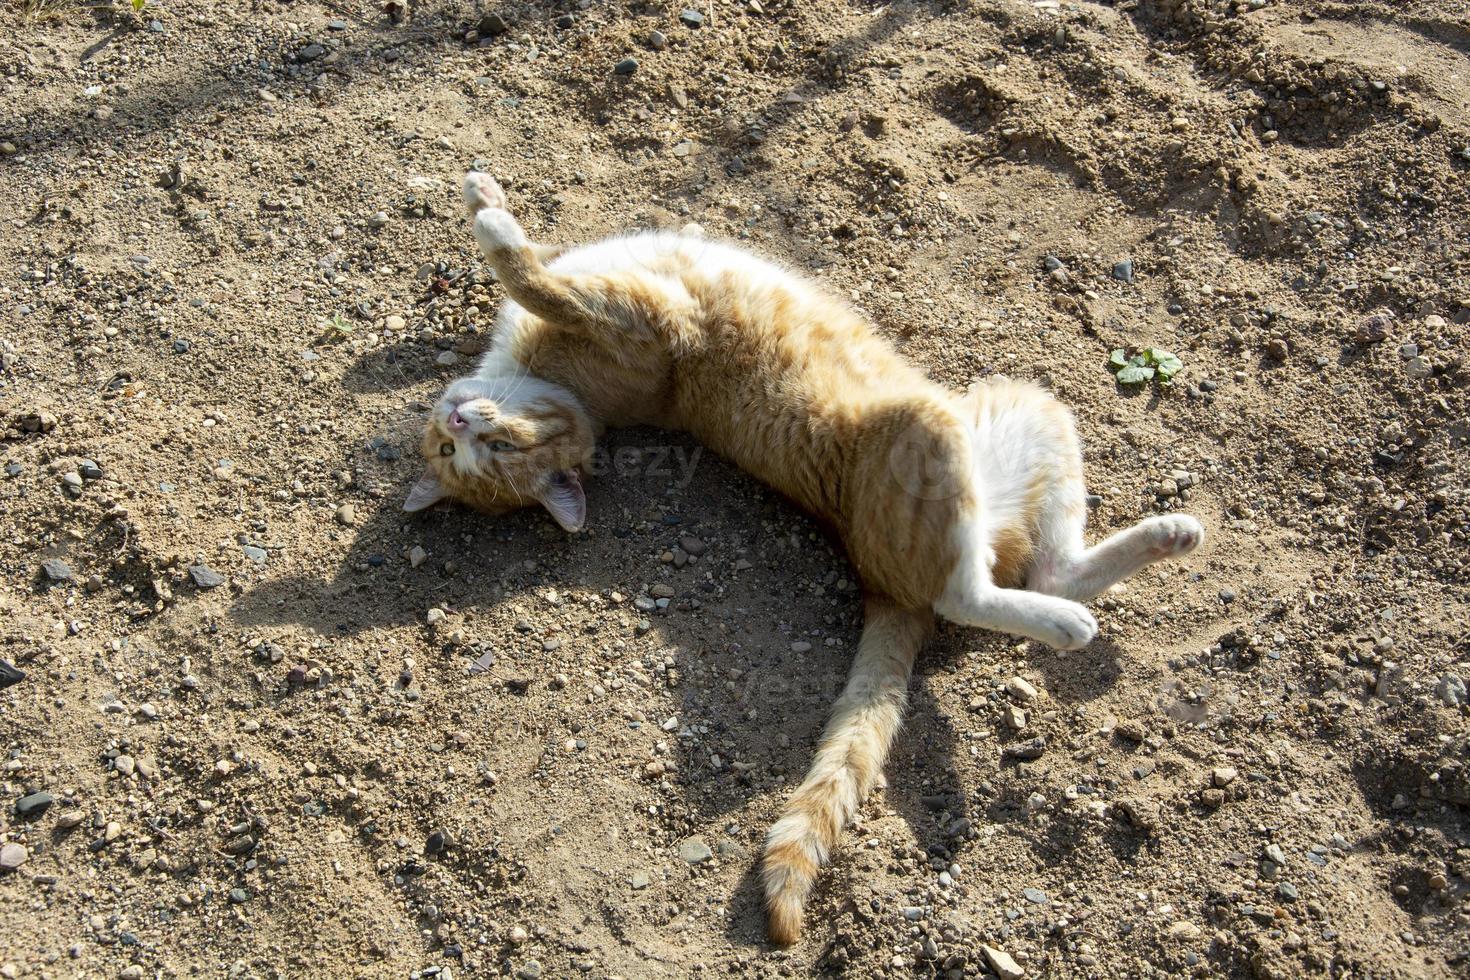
x,y
970,506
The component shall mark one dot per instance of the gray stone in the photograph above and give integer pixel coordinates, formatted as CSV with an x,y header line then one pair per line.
x,y
1123,271
639,881
1451,691
691,18
530,970
56,570
626,67
694,851
492,25
33,805
9,675
658,41
206,577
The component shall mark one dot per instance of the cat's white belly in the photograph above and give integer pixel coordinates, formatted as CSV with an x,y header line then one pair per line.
x,y
1022,465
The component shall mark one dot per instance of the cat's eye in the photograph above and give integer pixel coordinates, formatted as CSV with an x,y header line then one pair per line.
x,y
447,449
501,446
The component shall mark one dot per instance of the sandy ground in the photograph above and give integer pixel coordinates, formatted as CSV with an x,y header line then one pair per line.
x,y
283,729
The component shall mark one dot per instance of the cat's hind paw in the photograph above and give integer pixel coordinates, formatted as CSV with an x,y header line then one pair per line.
x,y
481,191
497,231
1172,535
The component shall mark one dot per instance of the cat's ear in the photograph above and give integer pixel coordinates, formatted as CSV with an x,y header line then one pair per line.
x,y
564,500
425,493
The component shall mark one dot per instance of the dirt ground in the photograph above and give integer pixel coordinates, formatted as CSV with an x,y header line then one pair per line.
x,y
286,730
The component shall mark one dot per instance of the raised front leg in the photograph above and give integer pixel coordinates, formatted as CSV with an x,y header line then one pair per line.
x,y
616,310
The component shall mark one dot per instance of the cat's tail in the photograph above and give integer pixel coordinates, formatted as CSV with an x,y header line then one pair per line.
x,y
849,761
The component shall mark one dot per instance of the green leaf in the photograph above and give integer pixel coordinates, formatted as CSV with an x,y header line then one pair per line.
x,y
138,5
1119,358
1167,364
1135,374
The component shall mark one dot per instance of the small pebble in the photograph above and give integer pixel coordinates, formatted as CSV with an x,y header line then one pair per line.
x,y
1001,963
1021,689
1032,749
12,856
695,851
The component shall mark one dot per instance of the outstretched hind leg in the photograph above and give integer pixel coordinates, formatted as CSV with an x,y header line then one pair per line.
x,y
1064,568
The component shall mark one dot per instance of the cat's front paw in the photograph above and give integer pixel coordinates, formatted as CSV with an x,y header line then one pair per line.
x,y
1067,626
1173,535
496,231
481,191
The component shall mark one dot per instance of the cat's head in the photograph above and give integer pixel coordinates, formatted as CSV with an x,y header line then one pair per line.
x,y
504,443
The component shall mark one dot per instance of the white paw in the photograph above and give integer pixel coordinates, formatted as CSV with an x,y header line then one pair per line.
x,y
496,230
1066,626
1173,535
481,191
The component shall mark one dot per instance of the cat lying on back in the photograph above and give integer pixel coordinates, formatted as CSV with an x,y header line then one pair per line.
x,y
970,506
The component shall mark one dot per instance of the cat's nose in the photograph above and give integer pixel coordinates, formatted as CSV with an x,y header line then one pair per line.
x,y
457,422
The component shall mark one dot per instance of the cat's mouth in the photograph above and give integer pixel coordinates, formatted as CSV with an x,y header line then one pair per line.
x,y
457,422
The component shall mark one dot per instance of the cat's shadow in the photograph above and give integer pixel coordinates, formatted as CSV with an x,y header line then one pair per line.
x,y
767,581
